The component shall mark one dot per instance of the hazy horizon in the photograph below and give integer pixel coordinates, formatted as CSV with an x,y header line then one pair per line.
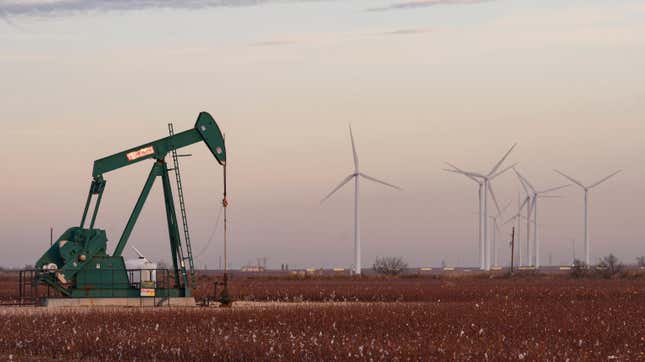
x,y
422,82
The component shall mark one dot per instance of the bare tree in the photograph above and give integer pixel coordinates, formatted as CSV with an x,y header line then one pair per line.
x,y
640,261
389,265
610,266
579,269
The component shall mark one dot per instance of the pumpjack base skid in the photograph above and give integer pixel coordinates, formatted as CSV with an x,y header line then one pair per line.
x,y
119,302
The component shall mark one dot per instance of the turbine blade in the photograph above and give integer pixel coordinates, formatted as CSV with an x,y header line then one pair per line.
x,y
492,194
529,206
506,207
532,221
553,189
503,171
526,199
605,179
351,135
502,160
381,182
550,196
526,181
474,174
570,179
519,177
471,175
455,168
346,180
511,219
498,228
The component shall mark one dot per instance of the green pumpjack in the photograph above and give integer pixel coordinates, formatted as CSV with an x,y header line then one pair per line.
x,y
77,264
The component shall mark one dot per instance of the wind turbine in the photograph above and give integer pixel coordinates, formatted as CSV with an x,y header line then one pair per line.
x,y
455,169
487,189
586,190
535,195
356,176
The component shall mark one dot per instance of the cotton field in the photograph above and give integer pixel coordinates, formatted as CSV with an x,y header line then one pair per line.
x,y
427,319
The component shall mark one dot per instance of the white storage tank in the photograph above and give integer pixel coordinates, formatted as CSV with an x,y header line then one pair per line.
x,y
141,269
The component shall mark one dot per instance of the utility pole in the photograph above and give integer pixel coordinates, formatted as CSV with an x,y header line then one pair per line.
x,y
512,248
573,248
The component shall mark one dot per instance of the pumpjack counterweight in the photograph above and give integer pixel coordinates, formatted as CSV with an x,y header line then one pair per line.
x,y
78,265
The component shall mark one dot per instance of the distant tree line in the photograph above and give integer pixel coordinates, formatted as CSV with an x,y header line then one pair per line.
x,y
608,267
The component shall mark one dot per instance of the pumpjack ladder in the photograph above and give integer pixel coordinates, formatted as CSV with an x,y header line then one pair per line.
x,y
184,218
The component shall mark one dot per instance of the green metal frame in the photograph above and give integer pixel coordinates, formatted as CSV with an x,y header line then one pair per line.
x,y
205,130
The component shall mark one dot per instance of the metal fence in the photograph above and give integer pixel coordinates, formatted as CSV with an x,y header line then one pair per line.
x,y
152,284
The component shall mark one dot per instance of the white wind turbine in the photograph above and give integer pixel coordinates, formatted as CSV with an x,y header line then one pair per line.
x,y
532,210
485,179
480,183
355,176
586,190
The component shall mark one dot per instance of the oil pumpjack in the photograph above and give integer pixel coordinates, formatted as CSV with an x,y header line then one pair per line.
x,y
77,264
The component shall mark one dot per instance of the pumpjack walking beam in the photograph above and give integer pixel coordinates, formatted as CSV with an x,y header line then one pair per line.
x,y
205,130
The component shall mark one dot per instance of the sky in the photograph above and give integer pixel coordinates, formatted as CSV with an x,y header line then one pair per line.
x,y
421,82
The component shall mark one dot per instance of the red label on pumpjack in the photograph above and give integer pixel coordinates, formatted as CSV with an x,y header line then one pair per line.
x,y
140,153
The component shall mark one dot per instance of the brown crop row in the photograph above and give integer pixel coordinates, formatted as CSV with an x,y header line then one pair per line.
x,y
374,289
423,289
502,329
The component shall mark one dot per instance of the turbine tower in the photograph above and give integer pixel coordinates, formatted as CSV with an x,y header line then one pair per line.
x,y
586,190
356,176
534,196
495,229
487,189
